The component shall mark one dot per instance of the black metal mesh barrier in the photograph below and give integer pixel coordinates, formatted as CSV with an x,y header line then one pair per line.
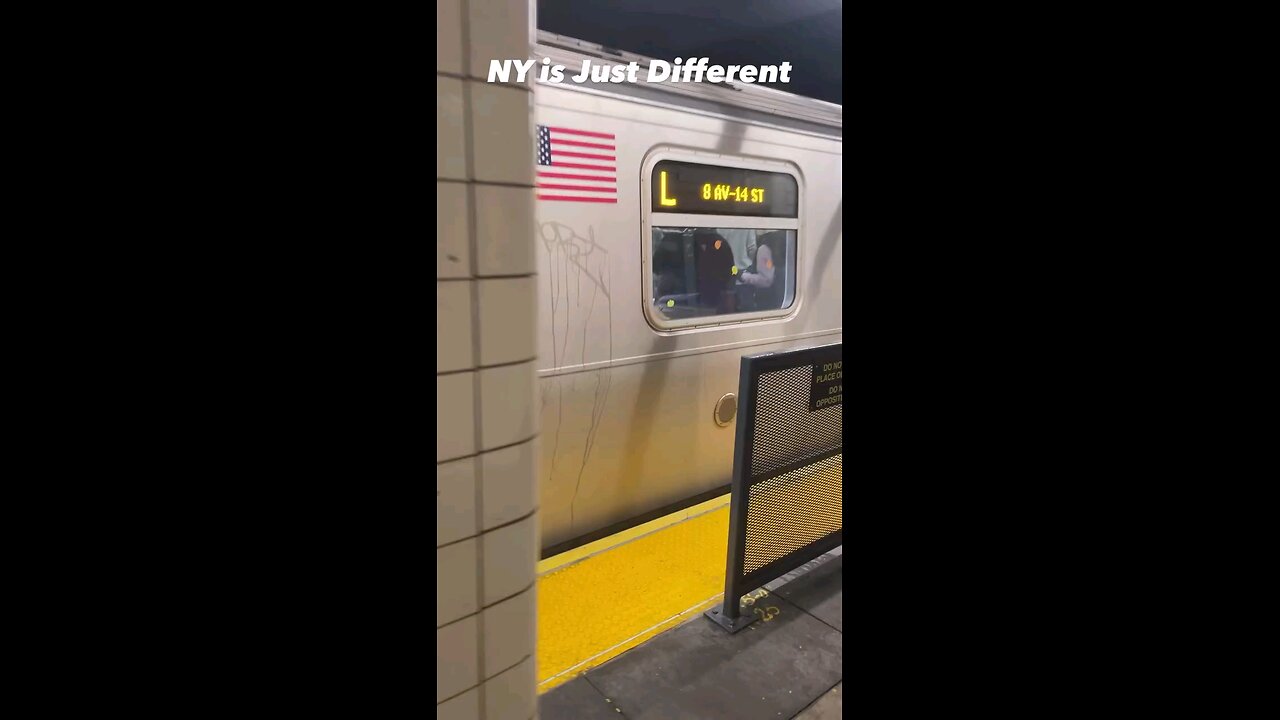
x,y
787,503
786,431
791,511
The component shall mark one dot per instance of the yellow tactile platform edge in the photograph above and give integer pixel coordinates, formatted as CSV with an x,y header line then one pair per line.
x,y
598,601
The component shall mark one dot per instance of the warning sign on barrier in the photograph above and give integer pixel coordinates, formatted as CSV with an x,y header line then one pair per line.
x,y
828,385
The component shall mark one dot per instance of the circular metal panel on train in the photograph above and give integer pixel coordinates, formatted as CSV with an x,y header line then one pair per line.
x,y
726,408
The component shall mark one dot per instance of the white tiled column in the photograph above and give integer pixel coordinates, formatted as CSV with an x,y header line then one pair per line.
x,y
486,492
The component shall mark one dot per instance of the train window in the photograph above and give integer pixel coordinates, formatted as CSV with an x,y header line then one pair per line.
x,y
705,271
721,239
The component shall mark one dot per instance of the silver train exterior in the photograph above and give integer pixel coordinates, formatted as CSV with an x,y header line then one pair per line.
x,y
627,409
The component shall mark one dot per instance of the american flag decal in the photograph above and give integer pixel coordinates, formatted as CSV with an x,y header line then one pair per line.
x,y
576,165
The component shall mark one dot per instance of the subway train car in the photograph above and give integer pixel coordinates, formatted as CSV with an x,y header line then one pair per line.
x,y
679,227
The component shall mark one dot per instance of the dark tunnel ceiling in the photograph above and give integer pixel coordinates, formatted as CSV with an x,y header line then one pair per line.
x,y
806,33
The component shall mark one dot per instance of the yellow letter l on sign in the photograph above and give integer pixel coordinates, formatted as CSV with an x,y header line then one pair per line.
x,y
670,202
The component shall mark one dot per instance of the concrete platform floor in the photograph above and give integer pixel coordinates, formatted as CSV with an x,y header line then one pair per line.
x,y
828,707
787,665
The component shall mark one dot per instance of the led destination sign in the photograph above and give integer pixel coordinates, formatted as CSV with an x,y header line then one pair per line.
x,y
681,187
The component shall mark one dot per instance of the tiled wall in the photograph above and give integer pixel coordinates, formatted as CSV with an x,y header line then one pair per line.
x,y
486,493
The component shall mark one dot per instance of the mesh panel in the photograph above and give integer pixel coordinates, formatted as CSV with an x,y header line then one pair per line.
x,y
792,510
785,430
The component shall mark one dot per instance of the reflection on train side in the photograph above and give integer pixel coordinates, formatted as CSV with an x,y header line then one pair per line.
x,y
699,272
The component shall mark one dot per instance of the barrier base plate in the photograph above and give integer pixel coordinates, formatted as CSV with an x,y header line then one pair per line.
x,y
733,625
